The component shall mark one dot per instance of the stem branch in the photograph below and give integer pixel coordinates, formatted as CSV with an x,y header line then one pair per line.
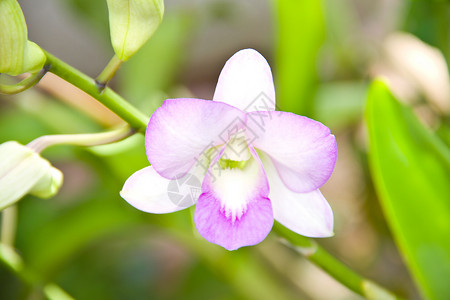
x,y
108,97
108,73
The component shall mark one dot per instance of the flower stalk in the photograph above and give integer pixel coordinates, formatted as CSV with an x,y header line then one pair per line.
x,y
87,139
108,97
23,85
108,73
339,271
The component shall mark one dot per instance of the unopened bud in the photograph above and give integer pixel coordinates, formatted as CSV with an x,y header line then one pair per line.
x,y
23,171
17,54
132,23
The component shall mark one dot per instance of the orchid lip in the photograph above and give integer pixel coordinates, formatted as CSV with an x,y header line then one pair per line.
x,y
234,209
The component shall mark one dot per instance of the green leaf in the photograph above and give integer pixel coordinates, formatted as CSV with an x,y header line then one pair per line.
x,y
301,33
411,171
340,104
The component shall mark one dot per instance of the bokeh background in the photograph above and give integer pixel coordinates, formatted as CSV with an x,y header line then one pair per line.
x,y
323,55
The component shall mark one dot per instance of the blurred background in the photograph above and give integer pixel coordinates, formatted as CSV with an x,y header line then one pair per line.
x,y
323,55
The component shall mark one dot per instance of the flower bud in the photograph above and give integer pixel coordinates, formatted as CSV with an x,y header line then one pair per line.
x,y
132,23
17,54
23,171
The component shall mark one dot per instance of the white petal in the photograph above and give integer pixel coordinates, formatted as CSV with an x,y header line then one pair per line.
x,y
148,191
308,214
246,82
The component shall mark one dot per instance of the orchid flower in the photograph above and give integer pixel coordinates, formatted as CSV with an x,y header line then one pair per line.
x,y
255,164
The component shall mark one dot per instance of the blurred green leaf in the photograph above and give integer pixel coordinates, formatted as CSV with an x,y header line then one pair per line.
x,y
429,21
124,157
443,131
22,120
94,13
340,104
411,170
341,58
301,32
63,236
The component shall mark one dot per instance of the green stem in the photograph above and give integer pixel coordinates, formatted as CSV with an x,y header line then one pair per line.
x,y
9,222
24,84
108,73
108,97
84,139
241,270
12,260
339,271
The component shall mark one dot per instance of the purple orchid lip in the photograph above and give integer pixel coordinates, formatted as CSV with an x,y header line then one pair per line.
x,y
234,209
255,163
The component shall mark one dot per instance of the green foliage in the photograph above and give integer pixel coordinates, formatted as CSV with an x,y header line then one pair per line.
x,y
340,104
300,34
411,170
429,20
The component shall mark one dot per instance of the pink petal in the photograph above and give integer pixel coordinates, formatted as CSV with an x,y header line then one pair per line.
x,y
302,150
246,82
182,130
233,211
148,191
308,214
251,229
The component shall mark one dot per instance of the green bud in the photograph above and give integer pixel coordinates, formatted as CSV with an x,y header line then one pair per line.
x,y
24,171
17,54
49,184
132,23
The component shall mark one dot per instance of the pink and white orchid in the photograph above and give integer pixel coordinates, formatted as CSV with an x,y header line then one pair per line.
x,y
256,164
